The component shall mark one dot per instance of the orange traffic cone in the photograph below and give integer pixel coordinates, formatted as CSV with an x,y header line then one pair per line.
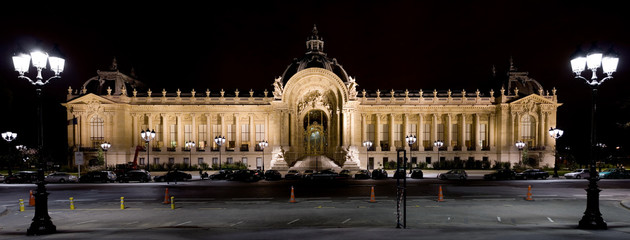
x,y
529,193
440,196
31,200
167,200
372,198
292,200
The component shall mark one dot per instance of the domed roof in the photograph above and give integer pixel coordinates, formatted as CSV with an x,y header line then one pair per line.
x,y
314,57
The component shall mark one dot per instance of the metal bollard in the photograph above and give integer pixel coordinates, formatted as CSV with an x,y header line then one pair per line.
x,y
122,202
71,203
172,202
21,205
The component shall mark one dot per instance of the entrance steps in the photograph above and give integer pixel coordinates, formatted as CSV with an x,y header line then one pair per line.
x,y
312,162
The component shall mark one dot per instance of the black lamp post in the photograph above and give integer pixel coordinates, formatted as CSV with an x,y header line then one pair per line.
x,y
263,144
41,221
147,136
411,139
595,59
190,145
367,144
438,144
219,140
105,146
9,136
555,133
520,145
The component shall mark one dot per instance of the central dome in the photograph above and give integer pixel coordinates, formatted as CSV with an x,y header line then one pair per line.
x,y
314,58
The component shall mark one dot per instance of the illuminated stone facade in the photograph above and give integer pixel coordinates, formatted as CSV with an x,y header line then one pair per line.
x,y
314,114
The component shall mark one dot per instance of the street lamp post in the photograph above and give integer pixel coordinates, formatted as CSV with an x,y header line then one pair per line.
x,y
41,221
9,137
367,144
520,145
190,145
555,133
439,145
411,139
147,136
219,140
595,59
263,144
105,146
21,149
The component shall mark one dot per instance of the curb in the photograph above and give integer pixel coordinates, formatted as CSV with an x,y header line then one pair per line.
x,y
625,203
3,211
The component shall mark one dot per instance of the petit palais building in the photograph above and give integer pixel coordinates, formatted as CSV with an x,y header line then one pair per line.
x,y
314,118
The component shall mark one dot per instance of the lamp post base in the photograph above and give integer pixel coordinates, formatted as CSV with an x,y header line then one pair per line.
x,y
41,224
592,218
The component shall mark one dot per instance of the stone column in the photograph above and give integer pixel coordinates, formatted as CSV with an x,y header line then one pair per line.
x,y
477,143
434,123
405,130
179,132
448,133
237,139
165,131
420,132
377,136
392,147
193,128
491,131
252,134
134,129
364,136
462,132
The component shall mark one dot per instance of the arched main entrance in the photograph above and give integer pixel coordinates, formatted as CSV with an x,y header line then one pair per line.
x,y
315,133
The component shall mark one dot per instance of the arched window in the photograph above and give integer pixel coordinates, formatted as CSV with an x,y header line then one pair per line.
x,y
96,131
528,130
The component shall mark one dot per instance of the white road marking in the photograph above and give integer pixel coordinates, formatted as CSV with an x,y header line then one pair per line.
x,y
548,218
347,220
291,222
498,219
237,223
86,222
183,223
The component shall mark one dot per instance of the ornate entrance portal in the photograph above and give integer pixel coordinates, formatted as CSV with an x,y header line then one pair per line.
x,y
315,133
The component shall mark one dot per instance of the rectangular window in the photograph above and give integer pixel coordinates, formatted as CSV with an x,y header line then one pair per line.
x,y
259,162
156,160
202,137
260,132
230,160
96,131
186,161
398,136
413,132
231,137
157,141
482,136
371,134
173,137
141,161
384,137
440,132
215,161
244,145
187,133
454,135
171,160
244,161
428,160
426,136
200,161
468,135
216,131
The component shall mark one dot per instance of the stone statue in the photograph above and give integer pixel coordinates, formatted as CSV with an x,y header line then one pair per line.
x,y
278,89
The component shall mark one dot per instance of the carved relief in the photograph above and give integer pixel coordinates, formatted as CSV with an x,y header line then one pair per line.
x,y
94,106
314,99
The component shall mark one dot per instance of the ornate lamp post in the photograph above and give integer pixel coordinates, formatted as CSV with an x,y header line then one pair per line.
x,y
147,136
9,136
41,221
367,144
190,145
263,144
438,144
595,59
520,145
21,149
411,139
219,140
105,146
555,133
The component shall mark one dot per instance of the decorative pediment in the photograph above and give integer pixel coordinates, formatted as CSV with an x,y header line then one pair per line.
x,y
533,103
535,98
90,98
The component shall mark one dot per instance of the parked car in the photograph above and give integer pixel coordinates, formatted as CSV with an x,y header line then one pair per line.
x,y
173,176
379,174
135,176
327,174
293,174
501,174
98,176
532,174
344,174
22,177
245,175
307,174
363,174
577,174
221,175
457,174
615,173
272,175
1,178
417,174
60,177
400,174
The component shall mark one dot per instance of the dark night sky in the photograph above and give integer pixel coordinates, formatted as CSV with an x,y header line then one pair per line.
x,y
384,44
